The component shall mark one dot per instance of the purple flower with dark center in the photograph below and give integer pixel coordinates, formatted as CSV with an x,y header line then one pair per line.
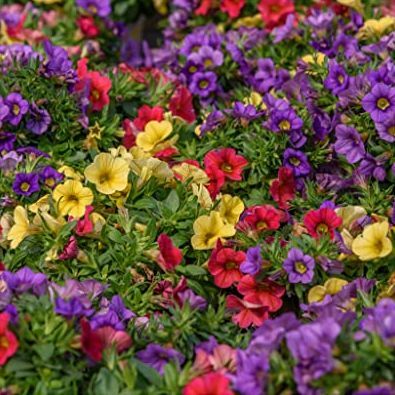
x,y
337,79
213,120
373,167
100,8
4,111
26,184
243,112
38,120
287,121
71,308
191,67
380,102
17,106
158,357
7,141
297,161
203,83
193,42
386,130
208,57
25,280
300,267
10,160
253,261
349,143
58,64
283,32
50,177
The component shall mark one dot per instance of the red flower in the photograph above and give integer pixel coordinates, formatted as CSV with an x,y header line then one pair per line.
x,y
217,180
166,154
8,341
224,265
265,293
275,12
146,114
232,7
322,221
204,7
262,218
170,256
181,104
209,384
97,85
129,138
283,188
247,313
87,26
227,162
70,250
84,225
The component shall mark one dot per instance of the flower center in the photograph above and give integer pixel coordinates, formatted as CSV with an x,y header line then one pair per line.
x,y
295,161
95,94
300,267
50,182
226,167
16,109
4,343
391,130
378,246
25,186
203,84
322,228
193,69
261,225
230,265
104,178
274,8
92,9
208,62
340,78
383,103
284,125
72,198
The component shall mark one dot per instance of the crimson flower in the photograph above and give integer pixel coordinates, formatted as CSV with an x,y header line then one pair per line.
x,y
232,7
8,341
261,218
87,26
70,250
146,114
181,104
248,313
210,383
283,188
84,225
275,12
204,7
170,256
322,221
129,138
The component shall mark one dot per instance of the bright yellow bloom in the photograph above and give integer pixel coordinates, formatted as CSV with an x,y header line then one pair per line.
x,y
187,172
161,6
318,59
355,4
42,205
151,167
350,214
231,208
21,228
154,133
69,172
373,242
376,27
109,174
208,229
203,195
249,21
330,287
47,1
72,198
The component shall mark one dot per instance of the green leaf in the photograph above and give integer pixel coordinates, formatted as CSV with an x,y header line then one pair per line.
x,y
115,236
191,270
172,202
106,383
45,351
149,373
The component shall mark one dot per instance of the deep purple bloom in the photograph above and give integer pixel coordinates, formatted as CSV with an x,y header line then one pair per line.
x,y
7,141
26,184
380,102
118,307
337,79
386,130
158,357
71,308
300,267
283,32
25,280
284,121
213,120
208,57
195,301
373,167
4,111
17,106
100,8
297,161
243,112
58,64
253,261
50,177
203,84
38,120
10,160
379,390
349,143
13,313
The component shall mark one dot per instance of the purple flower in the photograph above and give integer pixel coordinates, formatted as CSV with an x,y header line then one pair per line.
x,y
118,307
71,308
100,8
208,346
10,160
58,64
283,32
195,301
297,161
284,121
4,111
50,177
373,167
243,112
26,184
349,143
7,141
158,357
253,261
380,102
38,120
300,267
386,130
379,390
208,57
337,79
13,313
17,106
213,120
25,280
203,83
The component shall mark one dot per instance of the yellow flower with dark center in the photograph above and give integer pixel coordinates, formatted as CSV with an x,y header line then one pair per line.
x,y
376,27
373,242
72,198
21,228
109,174
154,133
208,229
331,287
230,208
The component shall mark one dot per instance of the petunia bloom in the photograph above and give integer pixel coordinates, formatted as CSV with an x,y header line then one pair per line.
x,y
170,256
247,313
322,221
8,341
212,383
300,267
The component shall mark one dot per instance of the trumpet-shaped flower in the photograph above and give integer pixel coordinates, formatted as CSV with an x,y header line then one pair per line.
x,y
72,198
331,287
208,229
21,228
154,133
231,208
373,242
109,174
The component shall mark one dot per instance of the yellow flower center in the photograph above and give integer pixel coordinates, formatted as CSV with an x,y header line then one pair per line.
x,y
104,178
92,9
72,198
383,103
208,237
322,228
4,343
300,267
295,161
391,130
25,186
261,225
193,69
230,265
340,78
226,168
208,63
16,109
95,94
50,182
284,125
203,84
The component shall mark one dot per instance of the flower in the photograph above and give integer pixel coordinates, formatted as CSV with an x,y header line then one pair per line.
x,y
88,27
8,341
337,79
100,8
203,83
50,177
283,188
72,198
146,114
322,221
248,313
212,383
262,218
208,229
109,174
158,357
224,265
331,287
300,267
386,130
373,242
380,102
38,120
154,133
26,184
170,256
297,161
181,104
275,12
230,208
17,106
253,262
21,228
349,143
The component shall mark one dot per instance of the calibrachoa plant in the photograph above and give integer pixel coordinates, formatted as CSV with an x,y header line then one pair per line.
x,y
207,209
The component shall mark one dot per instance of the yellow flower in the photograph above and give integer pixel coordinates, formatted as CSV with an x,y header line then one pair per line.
x,y
231,208
154,133
376,27
72,198
203,195
249,21
151,167
21,228
47,1
109,174
355,4
373,242
69,172
350,214
42,205
330,287
256,100
187,171
208,229
161,6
